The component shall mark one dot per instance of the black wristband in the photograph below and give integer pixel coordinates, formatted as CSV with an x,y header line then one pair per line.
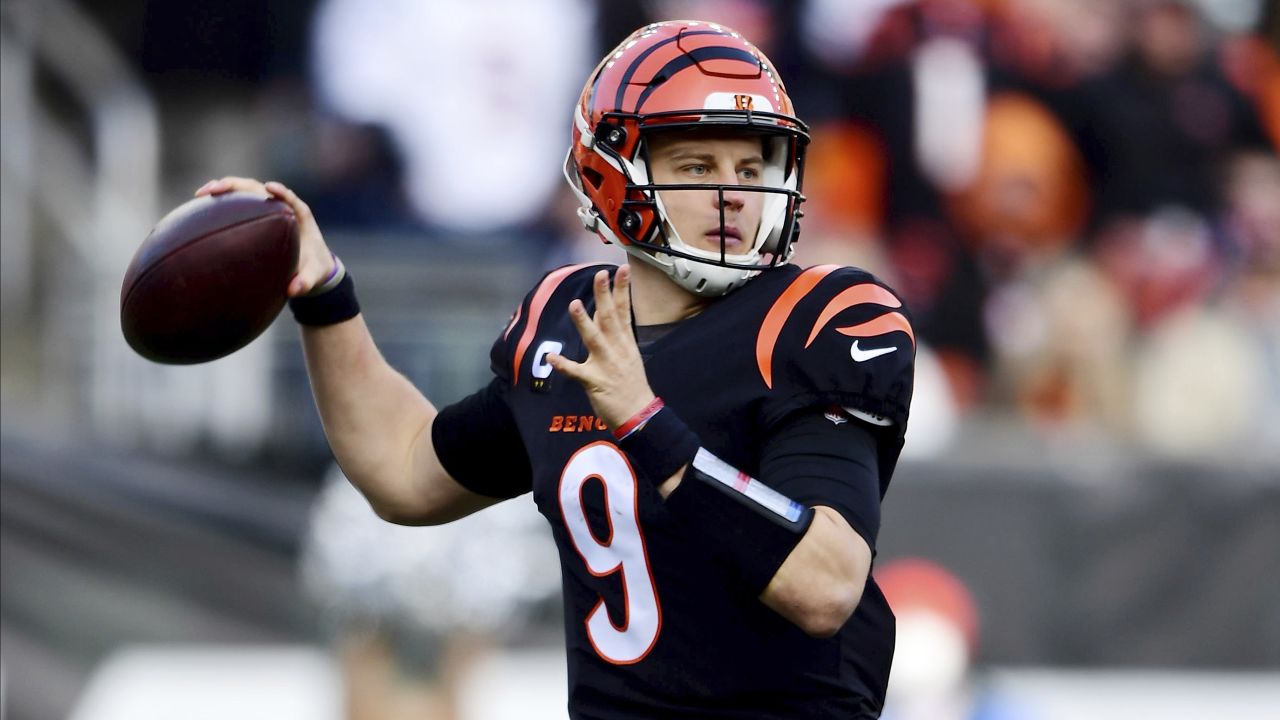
x,y
752,527
329,307
660,447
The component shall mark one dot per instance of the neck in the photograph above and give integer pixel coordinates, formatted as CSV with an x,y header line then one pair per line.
x,y
656,300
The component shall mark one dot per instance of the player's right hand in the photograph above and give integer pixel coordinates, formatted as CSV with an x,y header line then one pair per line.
x,y
315,261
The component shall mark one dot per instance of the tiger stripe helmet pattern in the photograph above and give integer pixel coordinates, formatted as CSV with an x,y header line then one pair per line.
x,y
672,76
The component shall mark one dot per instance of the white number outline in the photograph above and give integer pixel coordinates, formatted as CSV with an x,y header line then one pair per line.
x,y
603,461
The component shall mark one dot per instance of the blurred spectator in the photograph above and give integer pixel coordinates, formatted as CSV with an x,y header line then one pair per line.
x,y
756,19
933,675
934,411
1061,336
411,610
1162,124
1057,328
1161,263
977,127
1252,298
350,173
475,96
844,200
1253,67
1026,200
1061,42
1202,384
1207,371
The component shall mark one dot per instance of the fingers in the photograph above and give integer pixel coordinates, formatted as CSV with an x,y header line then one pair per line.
x,y
272,188
587,327
622,296
612,372
302,282
230,183
604,316
607,334
569,368
613,305
300,208
315,265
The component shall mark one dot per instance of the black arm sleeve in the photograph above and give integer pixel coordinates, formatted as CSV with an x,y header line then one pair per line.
x,y
815,461
479,444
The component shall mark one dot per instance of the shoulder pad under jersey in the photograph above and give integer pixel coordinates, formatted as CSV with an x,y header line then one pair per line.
x,y
837,336
512,347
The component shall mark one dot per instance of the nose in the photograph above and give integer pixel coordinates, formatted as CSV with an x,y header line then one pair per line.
x,y
732,200
728,197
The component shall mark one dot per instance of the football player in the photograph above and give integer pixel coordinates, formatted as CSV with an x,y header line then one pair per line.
x,y
708,429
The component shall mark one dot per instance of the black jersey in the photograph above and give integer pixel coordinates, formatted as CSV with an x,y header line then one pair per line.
x,y
655,627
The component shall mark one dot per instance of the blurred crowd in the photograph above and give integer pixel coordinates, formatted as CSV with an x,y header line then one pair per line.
x,y
1080,199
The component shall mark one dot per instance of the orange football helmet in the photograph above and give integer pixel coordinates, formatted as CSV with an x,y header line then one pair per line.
x,y
673,76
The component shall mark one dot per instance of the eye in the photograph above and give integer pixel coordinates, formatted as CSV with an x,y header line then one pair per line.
x,y
749,173
697,170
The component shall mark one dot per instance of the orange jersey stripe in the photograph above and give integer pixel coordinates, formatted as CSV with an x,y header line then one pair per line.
x,y
540,298
856,295
777,316
887,323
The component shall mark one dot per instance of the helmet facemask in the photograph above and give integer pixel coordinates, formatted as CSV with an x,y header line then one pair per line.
x,y
644,224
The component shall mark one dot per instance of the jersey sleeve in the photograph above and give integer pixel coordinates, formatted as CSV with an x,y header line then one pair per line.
x,y
513,345
818,458
479,444
846,343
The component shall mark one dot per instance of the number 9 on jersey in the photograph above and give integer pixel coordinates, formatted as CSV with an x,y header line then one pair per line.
x,y
623,551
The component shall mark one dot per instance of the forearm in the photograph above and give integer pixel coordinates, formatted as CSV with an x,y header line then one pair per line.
x,y
816,579
820,584
376,421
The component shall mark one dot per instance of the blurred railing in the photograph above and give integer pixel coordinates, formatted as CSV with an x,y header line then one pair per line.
x,y
81,164
434,307
81,138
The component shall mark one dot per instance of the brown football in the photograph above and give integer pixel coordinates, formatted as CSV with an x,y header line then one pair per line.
x,y
209,278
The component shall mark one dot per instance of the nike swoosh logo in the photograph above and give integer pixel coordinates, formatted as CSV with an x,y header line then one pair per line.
x,y
860,355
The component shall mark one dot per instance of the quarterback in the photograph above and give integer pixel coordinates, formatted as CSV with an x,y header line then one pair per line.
x,y
708,429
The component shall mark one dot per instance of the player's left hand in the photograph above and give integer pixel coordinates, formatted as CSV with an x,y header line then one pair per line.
x,y
613,372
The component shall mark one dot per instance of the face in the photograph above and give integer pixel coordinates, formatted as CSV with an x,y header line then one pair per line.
x,y
696,158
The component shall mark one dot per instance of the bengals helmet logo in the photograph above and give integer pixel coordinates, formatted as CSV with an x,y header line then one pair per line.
x,y
743,102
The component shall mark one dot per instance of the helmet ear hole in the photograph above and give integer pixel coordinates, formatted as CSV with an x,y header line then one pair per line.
x,y
593,177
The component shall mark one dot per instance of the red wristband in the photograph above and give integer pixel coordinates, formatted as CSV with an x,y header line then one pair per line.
x,y
638,420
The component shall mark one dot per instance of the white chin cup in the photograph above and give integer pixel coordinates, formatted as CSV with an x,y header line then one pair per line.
x,y
699,278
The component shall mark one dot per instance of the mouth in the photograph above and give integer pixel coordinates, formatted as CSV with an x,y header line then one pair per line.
x,y
732,237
